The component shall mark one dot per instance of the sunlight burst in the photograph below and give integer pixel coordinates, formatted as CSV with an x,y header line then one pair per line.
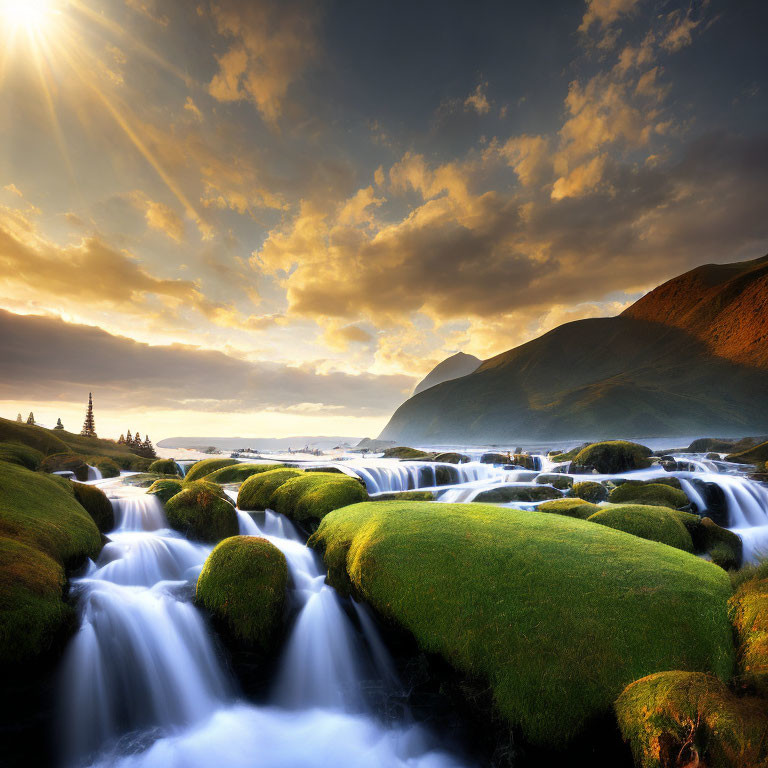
x,y
33,16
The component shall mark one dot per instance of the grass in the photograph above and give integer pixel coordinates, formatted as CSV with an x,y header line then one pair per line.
x,y
656,494
200,512
238,473
243,585
648,522
557,615
312,495
256,492
22,455
204,467
165,488
42,512
32,613
96,504
569,507
613,456
748,609
164,467
590,491
678,718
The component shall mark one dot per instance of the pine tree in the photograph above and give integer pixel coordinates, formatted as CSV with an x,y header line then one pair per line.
x,y
19,419
128,438
89,427
148,449
137,440
121,441
31,418
59,425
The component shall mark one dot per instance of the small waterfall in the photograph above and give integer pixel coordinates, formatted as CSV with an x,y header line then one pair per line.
x,y
182,468
94,473
142,512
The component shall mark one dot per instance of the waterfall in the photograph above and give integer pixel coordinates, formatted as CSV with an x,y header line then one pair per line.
x,y
94,473
144,512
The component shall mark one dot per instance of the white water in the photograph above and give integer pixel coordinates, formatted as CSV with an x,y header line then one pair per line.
x,y
94,473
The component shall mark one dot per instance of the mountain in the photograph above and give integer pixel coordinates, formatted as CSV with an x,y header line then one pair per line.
x,y
453,367
688,358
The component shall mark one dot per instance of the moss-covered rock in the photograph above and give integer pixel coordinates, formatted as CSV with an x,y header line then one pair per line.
x,y
561,482
612,456
238,473
33,616
525,461
724,547
495,458
256,492
404,452
648,522
243,585
165,489
66,462
42,512
748,610
508,493
569,507
312,495
406,496
654,494
751,455
164,467
200,512
674,719
556,615
451,457
204,467
22,455
590,491
96,504
108,467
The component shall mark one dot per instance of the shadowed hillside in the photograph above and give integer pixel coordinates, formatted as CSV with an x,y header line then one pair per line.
x,y
654,371
452,367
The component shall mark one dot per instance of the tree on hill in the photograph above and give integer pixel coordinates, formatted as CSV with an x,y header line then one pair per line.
x,y
59,425
31,418
89,426
19,419
121,441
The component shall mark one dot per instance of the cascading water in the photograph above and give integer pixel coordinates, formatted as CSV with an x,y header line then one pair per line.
x,y
94,473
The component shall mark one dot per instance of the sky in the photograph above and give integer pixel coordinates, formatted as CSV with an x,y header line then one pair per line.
x,y
241,217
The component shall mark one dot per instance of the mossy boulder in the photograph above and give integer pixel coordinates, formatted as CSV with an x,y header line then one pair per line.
x,y
256,492
495,458
202,468
451,457
564,456
612,456
561,482
590,491
108,467
312,495
406,496
200,512
238,473
555,615
751,455
648,522
33,616
66,462
42,512
724,547
674,719
22,455
525,461
654,494
243,585
96,504
404,452
569,507
748,610
164,467
509,493
165,489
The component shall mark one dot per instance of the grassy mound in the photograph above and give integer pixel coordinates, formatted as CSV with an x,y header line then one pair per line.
x,y
164,467
32,613
407,496
451,457
108,467
758,453
590,491
165,488
748,609
723,546
404,452
655,494
562,482
509,493
65,462
96,504
238,473
206,466
612,456
312,495
676,719
22,455
243,585
570,508
200,512
256,492
557,615
564,456
648,522
42,512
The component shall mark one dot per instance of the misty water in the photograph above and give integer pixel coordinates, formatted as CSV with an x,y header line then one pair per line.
x,y
144,682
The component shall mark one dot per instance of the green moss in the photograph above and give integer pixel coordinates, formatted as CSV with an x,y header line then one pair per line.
x,y
569,507
42,512
108,467
22,455
256,492
723,546
562,482
165,488
164,467
32,614
243,585
752,455
96,504
748,610
556,615
648,522
200,512
612,456
65,462
202,468
655,494
691,719
524,460
406,496
560,458
313,495
495,458
508,493
403,452
238,473
590,491
451,457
